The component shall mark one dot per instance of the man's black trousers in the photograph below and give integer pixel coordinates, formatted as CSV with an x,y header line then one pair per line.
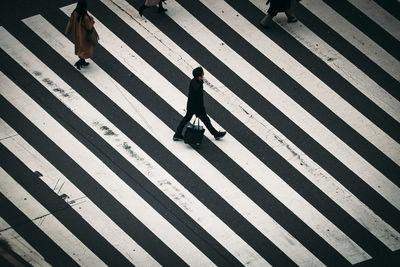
x,y
202,116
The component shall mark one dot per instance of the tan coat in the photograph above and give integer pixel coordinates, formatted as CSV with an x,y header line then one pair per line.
x,y
79,30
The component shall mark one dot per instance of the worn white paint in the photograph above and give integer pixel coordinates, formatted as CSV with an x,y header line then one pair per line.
x,y
338,63
355,37
379,15
49,224
19,245
253,121
98,170
137,157
238,152
204,169
307,79
77,200
290,108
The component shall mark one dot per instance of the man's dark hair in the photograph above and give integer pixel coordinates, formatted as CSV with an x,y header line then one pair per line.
x,y
197,72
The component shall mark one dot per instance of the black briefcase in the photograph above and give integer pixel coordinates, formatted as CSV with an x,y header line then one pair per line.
x,y
194,133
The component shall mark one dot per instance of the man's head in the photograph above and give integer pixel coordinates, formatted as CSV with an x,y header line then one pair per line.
x,y
198,73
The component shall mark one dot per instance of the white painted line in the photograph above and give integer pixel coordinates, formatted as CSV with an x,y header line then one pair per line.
x,y
138,158
49,224
77,200
379,15
252,120
307,79
358,39
290,108
237,152
19,245
205,170
338,63
96,168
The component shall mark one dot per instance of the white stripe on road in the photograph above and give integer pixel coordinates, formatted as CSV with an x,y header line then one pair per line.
x,y
358,39
43,219
290,108
306,79
338,63
379,15
94,216
96,168
19,245
251,119
138,158
195,162
236,151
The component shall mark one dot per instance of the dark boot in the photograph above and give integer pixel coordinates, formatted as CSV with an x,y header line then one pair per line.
x,y
219,135
79,63
266,21
161,9
178,137
84,63
290,12
141,8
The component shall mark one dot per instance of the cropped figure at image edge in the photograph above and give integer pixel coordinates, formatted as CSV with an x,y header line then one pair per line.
x,y
276,6
81,24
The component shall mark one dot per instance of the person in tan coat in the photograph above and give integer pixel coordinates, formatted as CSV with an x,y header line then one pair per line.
x,y
79,24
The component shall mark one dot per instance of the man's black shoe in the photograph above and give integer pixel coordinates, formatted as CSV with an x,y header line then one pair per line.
x,y
219,135
161,10
177,137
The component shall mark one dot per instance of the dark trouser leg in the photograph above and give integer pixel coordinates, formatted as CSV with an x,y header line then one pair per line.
x,y
160,7
183,123
206,120
267,20
141,8
290,12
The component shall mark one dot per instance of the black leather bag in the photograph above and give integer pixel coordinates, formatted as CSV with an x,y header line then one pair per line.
x,y
194,133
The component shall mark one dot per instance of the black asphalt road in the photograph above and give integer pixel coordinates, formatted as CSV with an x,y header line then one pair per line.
x,y
10,18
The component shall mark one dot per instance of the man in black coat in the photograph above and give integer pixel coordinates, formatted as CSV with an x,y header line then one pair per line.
x,y
195,106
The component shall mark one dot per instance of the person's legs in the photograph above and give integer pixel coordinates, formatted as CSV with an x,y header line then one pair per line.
x,y
206,120
141,8
266,21
290,12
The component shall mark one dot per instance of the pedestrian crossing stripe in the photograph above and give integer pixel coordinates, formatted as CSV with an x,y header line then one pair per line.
x,y
77,199
288,106
380,16
339,63
354,207
21,246
42,217
133,107
308,214
103,175
355,37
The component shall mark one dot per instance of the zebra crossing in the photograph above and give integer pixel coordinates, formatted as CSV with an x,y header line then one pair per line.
x,y
307,176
